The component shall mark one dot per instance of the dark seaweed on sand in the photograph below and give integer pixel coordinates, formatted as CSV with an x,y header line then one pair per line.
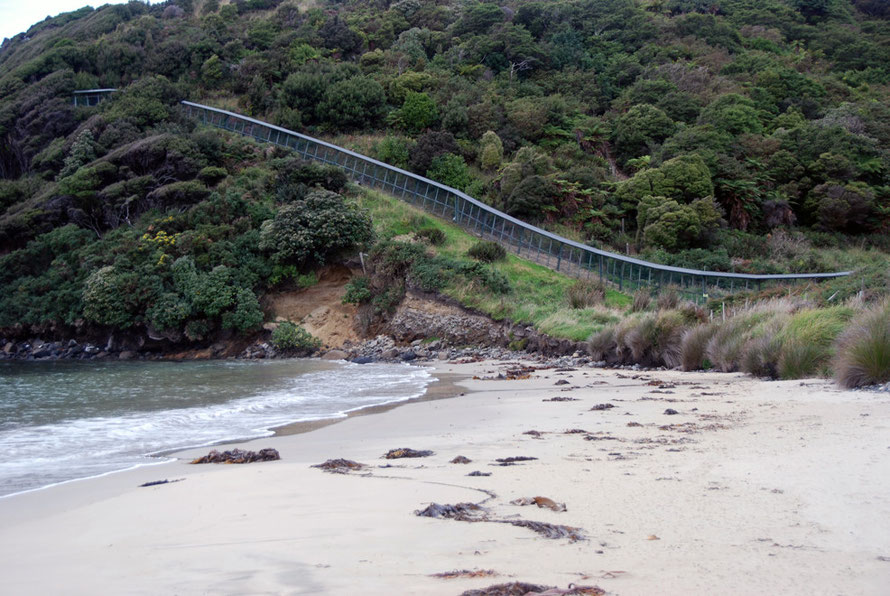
x,y
339,466
406,452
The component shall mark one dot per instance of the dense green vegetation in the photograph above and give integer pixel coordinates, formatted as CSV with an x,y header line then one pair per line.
x,y
745,135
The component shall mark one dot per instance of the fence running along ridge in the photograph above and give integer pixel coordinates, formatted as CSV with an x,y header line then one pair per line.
x,y
523,239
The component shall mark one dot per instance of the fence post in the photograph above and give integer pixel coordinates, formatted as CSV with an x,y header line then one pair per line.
x,y
559,257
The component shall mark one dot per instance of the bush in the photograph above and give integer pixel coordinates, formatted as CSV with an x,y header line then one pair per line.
x,y
313,230
487,252
495,281
357,291
586,293
105,298
760,355
355,103
433,236
418,112
655,339
293,338
451,170
212,175
863,351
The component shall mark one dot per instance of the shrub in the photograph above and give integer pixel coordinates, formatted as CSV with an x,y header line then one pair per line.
x,y
656,339
418,112
293,338
212,175
315,229
451,170
863,351
487,252
727,345
105,298
433,236
393,150
494,280
354,103
357,291
428,274
586,293
491,151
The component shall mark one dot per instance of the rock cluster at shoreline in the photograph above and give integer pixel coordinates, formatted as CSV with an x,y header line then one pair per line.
x,y
37,349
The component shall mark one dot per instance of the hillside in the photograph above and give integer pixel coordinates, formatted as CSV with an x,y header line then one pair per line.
x,y
741,135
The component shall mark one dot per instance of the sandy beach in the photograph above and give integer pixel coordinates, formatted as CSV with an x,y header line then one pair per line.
x,y
750,487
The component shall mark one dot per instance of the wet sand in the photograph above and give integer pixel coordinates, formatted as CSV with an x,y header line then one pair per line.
x,y
751,487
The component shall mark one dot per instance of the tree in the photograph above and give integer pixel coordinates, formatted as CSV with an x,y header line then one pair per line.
x,y
418,112
665,223
641,127
683,179
491,151
312,230
732,113
451,170
354,103
841,208
429,146
83,151
106,299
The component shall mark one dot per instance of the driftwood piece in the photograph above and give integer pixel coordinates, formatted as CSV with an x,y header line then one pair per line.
x,y
543,502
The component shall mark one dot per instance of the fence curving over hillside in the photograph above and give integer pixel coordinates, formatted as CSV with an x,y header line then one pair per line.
x,y
521,238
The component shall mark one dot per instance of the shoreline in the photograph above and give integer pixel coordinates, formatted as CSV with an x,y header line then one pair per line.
x,y
439,388
747,485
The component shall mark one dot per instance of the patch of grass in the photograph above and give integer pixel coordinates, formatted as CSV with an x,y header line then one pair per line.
x,y
576,324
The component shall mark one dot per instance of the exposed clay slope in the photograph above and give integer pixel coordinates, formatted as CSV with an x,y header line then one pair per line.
x,y
319,309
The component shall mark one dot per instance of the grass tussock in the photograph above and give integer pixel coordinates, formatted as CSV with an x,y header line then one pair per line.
x,y
642,300
863,350
586,293
808,341
667,299
693,344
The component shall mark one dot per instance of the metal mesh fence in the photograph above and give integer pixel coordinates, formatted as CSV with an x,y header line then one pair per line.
x,y
523,239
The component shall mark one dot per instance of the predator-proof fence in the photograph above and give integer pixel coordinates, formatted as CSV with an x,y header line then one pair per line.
x,y
90,97
523,239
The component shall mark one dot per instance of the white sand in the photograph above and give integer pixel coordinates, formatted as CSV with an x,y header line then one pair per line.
x,y
777,488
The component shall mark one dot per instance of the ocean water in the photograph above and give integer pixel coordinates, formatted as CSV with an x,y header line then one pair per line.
x,y
61,421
